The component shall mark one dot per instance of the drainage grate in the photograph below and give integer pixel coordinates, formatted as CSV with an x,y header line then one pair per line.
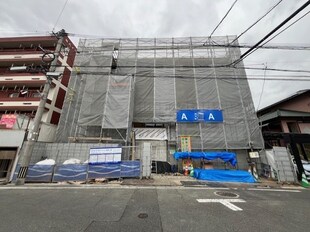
x,y
143,215
226,194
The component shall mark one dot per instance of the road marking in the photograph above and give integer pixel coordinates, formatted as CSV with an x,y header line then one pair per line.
x,y
275,190
64,187
117,186
225,202
288,187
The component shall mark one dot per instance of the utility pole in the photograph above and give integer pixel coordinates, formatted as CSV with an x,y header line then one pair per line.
x,y
34,130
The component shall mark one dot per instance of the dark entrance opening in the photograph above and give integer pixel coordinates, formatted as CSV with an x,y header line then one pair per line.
x,y
7,157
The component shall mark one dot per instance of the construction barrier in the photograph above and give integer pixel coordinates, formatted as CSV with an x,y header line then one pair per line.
x,y
130,168
111,170
70,172
80,172
37,173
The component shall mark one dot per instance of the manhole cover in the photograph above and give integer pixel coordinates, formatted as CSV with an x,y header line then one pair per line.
x,y
226,194
143,215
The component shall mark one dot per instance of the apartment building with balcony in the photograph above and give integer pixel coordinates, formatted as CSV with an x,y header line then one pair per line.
x,y
20,92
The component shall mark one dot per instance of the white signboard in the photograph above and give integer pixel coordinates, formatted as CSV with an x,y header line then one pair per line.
x,y
100,155
254,154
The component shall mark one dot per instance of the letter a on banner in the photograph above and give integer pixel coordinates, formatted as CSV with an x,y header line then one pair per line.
x,y
211,116
184,116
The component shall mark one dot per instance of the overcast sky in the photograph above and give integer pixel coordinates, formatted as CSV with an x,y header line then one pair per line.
x,y
176,18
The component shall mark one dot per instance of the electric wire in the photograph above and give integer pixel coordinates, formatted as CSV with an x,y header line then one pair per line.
x,y
278,33
277,28
271,32
257,21
60,14
271,47
147,65
263,86
9,33
190,66
196,45
209,77
223,17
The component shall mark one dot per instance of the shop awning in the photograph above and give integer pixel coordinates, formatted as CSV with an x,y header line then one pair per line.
x,y
224,155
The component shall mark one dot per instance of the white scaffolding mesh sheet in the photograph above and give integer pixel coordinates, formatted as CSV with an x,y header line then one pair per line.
x,y
118,99
169,74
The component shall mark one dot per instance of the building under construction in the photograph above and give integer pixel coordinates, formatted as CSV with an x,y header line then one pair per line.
x,y
162,91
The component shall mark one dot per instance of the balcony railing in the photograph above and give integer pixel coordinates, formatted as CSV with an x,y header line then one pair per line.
x,y
22,80
19,104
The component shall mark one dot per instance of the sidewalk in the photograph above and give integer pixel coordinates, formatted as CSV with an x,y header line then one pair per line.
x,y
158,180
187,181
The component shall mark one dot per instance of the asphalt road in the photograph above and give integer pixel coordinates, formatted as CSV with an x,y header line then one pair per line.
x,y
153,209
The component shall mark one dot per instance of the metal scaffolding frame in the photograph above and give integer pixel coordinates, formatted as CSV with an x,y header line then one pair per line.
x,y
151,80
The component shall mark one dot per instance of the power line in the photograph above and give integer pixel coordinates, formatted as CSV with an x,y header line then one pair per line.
x,y
11,33
279,33
279,47
196,45
209,77
272,32
60,14
278,69
257,21
189,66
175,47
263,86
280,62
223,17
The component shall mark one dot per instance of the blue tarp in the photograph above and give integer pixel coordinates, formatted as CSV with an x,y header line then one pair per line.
x,y
224,155
224,175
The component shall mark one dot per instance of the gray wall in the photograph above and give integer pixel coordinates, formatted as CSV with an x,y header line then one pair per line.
x,y
63,151
11,138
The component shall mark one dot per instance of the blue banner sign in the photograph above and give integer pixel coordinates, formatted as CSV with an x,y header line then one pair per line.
x,y
201,115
